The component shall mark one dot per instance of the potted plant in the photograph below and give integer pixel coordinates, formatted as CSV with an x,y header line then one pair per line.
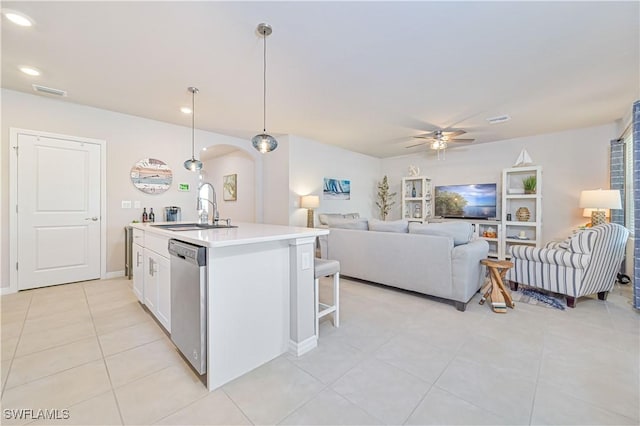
x,y
529,184
385,198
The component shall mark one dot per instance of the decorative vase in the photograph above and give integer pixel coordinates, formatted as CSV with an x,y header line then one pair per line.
x,y
529,191
523,214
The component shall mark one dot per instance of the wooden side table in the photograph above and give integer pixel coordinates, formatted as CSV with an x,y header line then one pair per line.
x,y
495,289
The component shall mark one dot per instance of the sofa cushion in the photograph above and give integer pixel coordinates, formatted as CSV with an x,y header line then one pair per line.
x,y
324,217
461,232
351,215
391,226
340,222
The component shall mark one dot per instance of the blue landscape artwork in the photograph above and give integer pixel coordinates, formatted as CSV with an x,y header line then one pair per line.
x,y
337,189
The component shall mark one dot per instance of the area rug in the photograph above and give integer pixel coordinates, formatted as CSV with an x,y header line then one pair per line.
x,y
536,297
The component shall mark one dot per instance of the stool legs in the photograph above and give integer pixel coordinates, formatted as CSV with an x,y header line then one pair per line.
x,y
316,304
321,308
336,299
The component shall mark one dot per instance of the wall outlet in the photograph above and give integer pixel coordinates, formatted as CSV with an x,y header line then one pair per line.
x,y
126,204
306,261
136,204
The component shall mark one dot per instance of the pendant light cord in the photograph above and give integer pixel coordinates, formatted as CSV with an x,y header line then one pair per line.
x,y
193,123
264,83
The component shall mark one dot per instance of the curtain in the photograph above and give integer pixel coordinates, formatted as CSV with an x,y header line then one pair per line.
x,y
616,177
636,201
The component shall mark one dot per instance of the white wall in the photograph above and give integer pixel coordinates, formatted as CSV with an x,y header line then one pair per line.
x,y
310,162
129,139
276,183
572,161
242,164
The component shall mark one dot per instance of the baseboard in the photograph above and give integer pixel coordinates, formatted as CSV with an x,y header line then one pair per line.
x,y
303,347
7,290
114,274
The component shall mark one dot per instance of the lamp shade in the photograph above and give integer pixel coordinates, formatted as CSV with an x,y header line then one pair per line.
x,y
601,199
309,202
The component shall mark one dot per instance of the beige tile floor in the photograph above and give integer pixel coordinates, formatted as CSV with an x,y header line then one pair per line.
x,y
397,359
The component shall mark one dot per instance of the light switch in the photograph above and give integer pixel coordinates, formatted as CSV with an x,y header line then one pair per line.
x,y
306,261
136,204
126,204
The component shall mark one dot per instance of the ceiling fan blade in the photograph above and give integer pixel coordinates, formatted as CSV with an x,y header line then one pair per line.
x,y
428,136
452,133
414,145
461,140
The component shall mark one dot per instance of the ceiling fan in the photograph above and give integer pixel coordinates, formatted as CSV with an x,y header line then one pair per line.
x,y
438,140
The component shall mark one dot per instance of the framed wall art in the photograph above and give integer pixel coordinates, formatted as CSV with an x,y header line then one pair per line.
x,y
230,187
151,176
336,189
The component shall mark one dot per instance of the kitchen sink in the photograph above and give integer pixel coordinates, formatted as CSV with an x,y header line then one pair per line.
x,y
191,226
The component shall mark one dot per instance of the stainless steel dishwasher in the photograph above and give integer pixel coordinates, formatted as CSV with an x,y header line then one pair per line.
x,y
189,302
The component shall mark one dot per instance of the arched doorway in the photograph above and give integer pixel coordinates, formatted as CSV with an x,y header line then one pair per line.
x,y
232,172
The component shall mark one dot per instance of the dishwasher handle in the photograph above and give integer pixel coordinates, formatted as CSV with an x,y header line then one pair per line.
x,y
190,253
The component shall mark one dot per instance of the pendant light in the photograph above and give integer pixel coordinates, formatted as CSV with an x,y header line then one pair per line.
x,y
193,164
264,142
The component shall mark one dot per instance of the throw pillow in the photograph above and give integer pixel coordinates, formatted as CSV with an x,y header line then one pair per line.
x,y
351,215
340,222
461,232
324,217
391,226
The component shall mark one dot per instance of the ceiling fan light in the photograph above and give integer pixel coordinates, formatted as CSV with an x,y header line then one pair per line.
x,y
264,143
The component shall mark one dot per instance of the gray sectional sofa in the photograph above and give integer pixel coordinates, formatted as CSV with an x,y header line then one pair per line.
x,y
440,259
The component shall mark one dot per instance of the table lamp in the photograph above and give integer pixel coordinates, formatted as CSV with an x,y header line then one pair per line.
x,y
599,200
309,202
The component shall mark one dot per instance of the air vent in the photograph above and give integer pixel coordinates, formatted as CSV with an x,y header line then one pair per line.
x,y
49,90
499,119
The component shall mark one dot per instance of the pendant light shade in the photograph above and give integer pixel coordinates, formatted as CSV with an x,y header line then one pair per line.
x,y
193,164
264,142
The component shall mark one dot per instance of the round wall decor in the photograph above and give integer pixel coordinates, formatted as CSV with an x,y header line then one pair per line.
x,y
151,176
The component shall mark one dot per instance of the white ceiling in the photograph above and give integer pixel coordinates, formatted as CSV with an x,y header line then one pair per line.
x,y
365,76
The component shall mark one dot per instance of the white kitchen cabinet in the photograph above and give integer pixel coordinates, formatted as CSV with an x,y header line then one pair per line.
x,y
138,271
164,292
152,275
151,280
157,286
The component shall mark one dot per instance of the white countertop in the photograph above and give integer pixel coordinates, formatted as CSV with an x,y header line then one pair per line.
x,y
245,233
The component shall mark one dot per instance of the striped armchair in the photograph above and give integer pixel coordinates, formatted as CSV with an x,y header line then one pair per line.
x,y
586,263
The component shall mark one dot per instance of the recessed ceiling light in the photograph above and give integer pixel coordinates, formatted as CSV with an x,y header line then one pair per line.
x,y
18,18
204,149
30,71
186,110
499,119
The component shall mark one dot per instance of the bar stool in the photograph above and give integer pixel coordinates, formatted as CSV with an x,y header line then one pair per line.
x,y
324,268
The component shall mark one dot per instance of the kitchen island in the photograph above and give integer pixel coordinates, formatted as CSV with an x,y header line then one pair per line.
x,y
260,301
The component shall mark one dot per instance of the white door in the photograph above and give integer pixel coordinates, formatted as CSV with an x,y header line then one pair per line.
x,y
58,211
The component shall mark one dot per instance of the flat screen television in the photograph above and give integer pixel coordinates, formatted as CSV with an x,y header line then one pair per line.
x,y
474,201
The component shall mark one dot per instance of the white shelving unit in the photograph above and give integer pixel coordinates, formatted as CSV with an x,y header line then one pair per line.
x,y
484,229
513,198
416,198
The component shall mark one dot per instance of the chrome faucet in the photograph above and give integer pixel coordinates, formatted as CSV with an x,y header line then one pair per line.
x,y
203,210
